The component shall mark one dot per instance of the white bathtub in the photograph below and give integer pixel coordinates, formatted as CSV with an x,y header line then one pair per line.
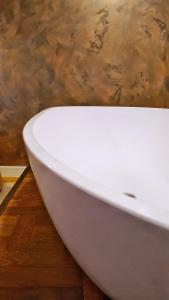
x,y
103,174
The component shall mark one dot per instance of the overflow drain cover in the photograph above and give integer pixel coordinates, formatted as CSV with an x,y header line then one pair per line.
x,y
130,195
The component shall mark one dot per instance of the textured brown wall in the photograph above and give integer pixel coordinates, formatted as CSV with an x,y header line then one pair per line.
x,y
83,52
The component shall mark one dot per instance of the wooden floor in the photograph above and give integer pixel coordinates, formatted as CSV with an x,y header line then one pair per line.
x,y
34,263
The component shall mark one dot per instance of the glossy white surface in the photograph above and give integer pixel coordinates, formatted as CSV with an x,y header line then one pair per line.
x,y
85,159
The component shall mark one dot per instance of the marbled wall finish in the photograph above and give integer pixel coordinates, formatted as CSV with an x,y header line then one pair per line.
x,y
78,52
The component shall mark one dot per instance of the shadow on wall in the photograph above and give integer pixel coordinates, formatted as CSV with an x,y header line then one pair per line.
x,y
78,53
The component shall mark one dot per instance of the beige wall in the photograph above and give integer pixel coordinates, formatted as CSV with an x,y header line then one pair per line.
x,y
78,52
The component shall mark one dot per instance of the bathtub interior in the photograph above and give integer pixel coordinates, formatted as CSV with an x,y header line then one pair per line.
x,y
124,149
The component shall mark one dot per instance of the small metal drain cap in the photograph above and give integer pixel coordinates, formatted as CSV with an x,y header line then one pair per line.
x,y
130,195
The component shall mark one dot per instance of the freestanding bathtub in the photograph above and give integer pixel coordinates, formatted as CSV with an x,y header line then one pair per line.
x,y
103,174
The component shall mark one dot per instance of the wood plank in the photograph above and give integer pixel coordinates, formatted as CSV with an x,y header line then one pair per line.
x,y
40,277
22,210
7,225
35,258
22,232
91,292
41,294
4,241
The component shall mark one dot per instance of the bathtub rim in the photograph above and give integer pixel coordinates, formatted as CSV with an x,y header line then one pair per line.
x,y
144,211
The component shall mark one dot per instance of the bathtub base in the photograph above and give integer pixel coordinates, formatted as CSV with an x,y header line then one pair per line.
x,y
125,257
